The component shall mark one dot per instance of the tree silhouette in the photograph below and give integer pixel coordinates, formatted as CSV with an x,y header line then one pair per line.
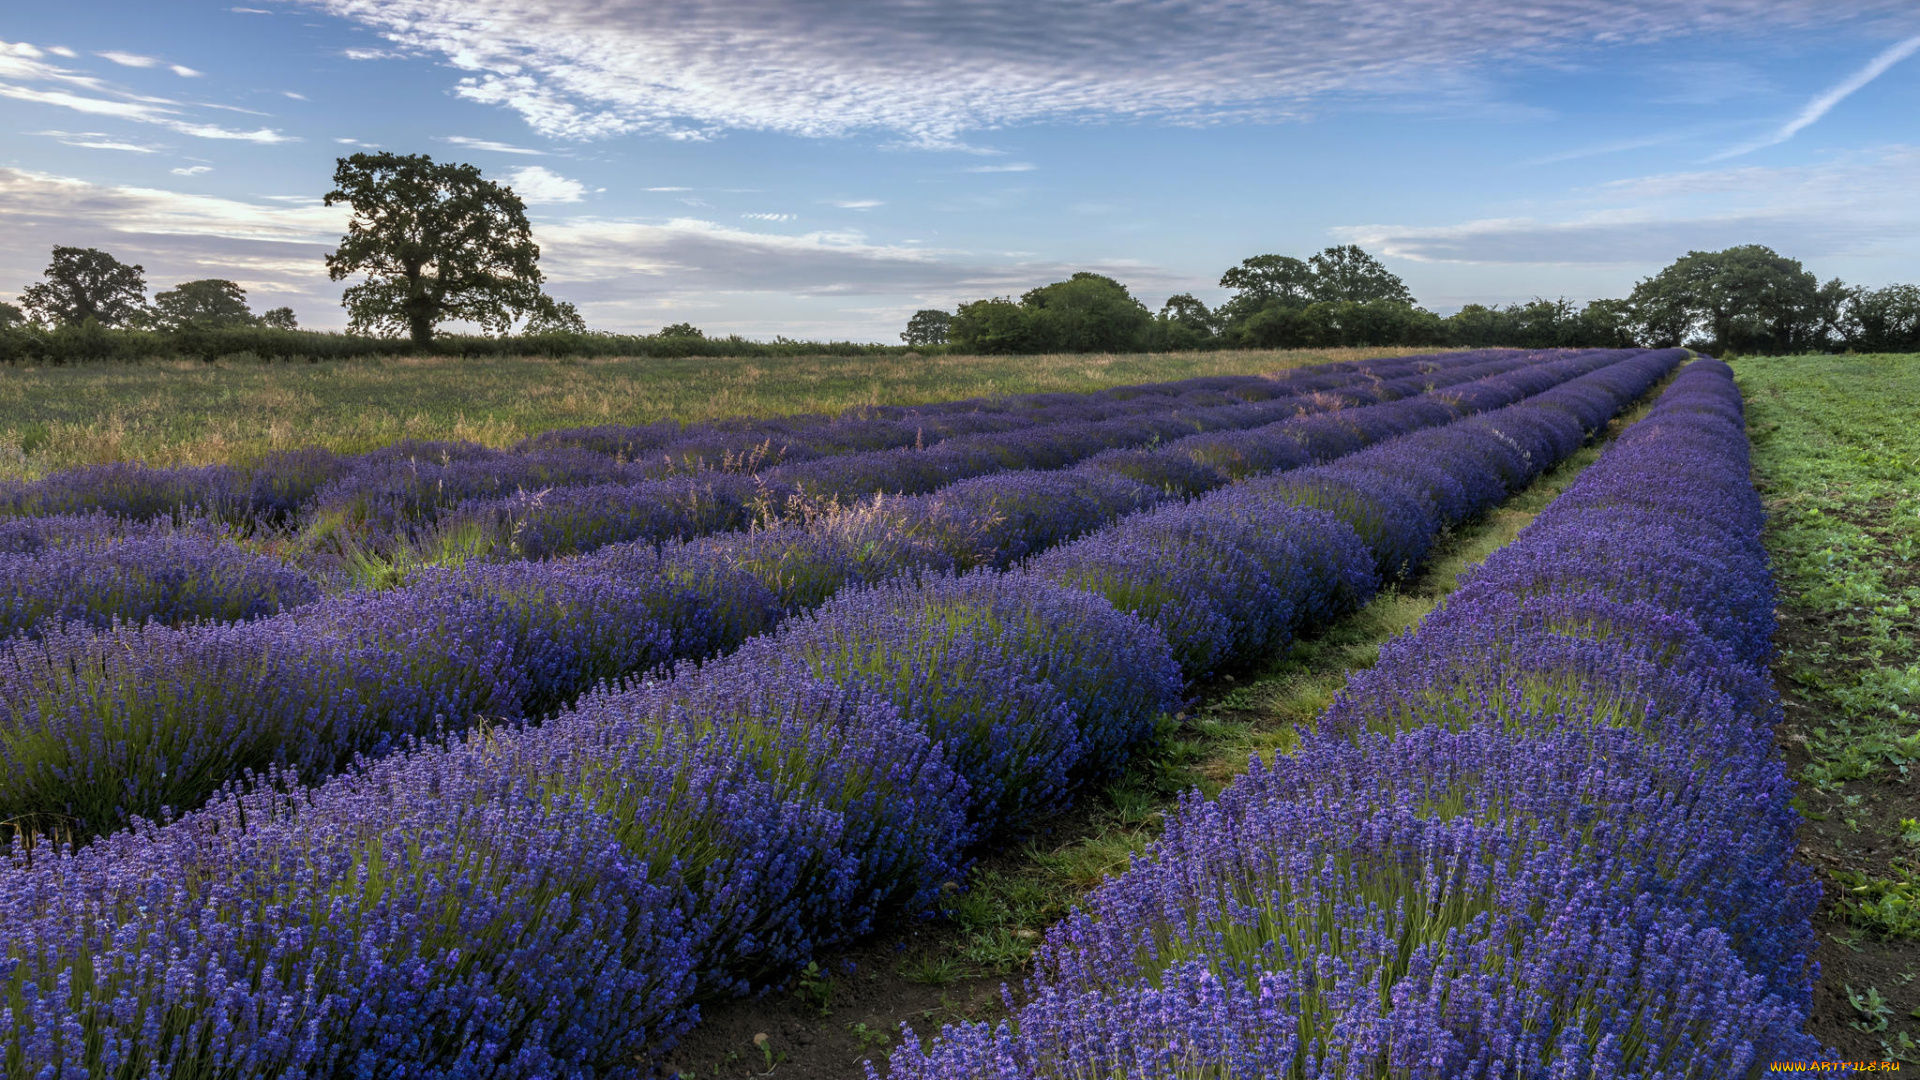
x,y
436,242
87,283
206,303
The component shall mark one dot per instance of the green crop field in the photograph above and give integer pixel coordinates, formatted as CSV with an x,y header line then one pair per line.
x,y
1836,444
191,413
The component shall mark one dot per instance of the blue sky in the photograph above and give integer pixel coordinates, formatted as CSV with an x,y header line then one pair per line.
x,y
821,168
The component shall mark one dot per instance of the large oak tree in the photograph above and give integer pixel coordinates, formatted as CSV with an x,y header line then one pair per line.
x,y
87,284
436,242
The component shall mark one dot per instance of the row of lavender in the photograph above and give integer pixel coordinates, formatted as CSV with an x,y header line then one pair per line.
x,y
558,900
410,479
404,513
100,726
1547,836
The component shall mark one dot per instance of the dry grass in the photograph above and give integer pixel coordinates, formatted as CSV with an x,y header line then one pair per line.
x,y
190,413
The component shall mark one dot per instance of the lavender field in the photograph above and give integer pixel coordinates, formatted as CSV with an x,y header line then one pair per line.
x,y
441,760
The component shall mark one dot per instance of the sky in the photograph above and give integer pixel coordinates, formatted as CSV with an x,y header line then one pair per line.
x,y
822,168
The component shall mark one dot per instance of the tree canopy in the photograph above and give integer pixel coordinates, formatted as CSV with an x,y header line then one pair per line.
x,y
928,326
1745,299
280,318
1347,273
1088,312
87,284
436,242
211,302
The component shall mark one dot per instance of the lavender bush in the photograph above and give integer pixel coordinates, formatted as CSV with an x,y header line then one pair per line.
x,y
1547,835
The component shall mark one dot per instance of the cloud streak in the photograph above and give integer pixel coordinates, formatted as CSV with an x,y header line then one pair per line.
x,y
26,66
583,69
1857,205
1824,104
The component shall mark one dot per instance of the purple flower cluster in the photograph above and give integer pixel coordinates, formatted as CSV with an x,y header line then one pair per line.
x,y
558,899
98,728
165,579
1546,836
396,482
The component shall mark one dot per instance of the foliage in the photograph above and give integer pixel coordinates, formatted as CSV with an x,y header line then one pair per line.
x,y
11,316
1544,324
1348,274
681,332
1086,313
928,326
280,318
88,285
437,242
1742,299
1882,320
211,302
554,317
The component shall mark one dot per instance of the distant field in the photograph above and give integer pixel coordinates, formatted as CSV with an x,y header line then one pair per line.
x,y
1836,454
190,413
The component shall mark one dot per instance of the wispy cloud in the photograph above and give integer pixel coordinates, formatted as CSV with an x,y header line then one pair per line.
x,y
1854,205
767,216
691,68
191,170
537,186
857,204
97,140
26,65
127,59
1009,167
489,144
1824,104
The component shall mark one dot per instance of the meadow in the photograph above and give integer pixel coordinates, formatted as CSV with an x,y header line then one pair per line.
x,y
186,412
1837,457
1405,714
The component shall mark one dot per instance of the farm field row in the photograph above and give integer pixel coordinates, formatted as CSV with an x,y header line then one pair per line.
x,y
701,836
848,1012
107,725
568,491
197,414
1837,458
1547,834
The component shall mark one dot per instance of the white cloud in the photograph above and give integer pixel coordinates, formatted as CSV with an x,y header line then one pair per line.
x,y
96,140
183,71
292,94
23,63
1824,104
488,144
1009,167
192,170
127,59
857,204
1857,206
692,68
667,189
62,50
372,54
537,185
770,217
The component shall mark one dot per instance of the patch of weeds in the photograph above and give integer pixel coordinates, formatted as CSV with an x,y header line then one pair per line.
x,y
814,988
1873,1009
1889,907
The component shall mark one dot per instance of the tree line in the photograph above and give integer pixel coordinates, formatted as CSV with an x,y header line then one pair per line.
x,y
429,243
1747,299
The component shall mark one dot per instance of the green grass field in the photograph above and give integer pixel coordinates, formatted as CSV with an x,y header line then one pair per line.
x,y
190,413
1837,458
